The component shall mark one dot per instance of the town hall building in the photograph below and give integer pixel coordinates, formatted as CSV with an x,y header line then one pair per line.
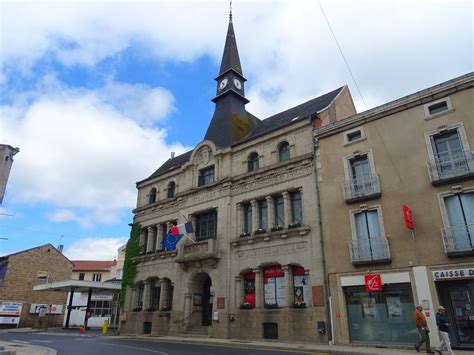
x,y
254,266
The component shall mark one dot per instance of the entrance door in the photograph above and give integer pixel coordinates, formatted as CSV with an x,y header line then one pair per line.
x,y
458,298
206,303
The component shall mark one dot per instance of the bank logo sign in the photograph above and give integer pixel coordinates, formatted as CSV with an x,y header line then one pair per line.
x,y
467,273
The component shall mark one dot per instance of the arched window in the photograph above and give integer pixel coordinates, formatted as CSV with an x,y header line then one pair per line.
x,y
152,196
252,162
171,189
284,151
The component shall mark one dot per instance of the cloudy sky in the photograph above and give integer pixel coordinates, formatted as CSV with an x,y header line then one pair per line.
x,y
97,94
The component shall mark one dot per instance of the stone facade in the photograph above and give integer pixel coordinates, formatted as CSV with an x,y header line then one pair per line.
x,y
415,151
21,277
256,244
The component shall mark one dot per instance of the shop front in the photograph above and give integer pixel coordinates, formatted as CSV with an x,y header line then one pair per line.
x,y
379,312
455,289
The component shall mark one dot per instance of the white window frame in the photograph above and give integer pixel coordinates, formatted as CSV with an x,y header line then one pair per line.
x,y
459,127
426,108
377,208
347,133
442,205
97,275
348,158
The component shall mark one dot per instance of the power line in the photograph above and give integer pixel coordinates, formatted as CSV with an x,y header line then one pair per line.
x,y
342,54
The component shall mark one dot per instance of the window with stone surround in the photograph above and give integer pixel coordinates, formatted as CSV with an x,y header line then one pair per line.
x,y
206,226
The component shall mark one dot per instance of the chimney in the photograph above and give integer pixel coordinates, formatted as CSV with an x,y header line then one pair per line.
x,y
172,155
60,248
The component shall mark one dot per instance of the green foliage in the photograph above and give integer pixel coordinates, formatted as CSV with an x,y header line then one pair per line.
x,y
129,266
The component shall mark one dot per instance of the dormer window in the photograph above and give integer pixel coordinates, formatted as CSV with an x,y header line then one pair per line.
x,y
171,189
252,163
284,151
152,196
206,176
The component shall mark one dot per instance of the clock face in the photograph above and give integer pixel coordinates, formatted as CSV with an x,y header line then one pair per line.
x,y
237,84
223,83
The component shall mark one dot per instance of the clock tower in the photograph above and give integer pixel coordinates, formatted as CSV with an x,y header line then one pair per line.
x,y
231,122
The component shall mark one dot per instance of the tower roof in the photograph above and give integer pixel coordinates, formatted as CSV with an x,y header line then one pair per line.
x,y
230,57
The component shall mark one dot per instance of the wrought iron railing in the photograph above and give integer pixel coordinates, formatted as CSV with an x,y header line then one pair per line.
x,y
365,187
449,167
370,250
458,239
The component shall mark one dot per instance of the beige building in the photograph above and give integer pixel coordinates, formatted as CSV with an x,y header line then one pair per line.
x,y
253,268
19,273
416,151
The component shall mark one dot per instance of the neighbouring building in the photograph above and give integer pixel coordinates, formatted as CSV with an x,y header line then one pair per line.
x,y
6,160
416,152
254,266
102,303
19,273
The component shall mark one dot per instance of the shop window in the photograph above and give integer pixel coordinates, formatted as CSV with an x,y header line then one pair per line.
x,y
206,226
301,288
152,196
279,211
252,163
249,289
155,292
100,308
296,209
171,189
381,317
247,227
206,176
262,215
284,151
274,286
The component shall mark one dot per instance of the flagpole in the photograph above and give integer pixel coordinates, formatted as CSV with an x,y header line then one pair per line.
x,y
187,220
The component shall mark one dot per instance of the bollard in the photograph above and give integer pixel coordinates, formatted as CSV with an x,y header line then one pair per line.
x,y
105,327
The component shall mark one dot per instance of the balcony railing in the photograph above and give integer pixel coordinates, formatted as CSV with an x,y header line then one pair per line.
x,y
364,188
370,250
458,239
205,250
450,168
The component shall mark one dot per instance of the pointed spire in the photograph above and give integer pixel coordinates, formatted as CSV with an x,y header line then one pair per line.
x,y
230,57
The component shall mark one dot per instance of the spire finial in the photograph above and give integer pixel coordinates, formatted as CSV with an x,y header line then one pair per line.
x,y
230,12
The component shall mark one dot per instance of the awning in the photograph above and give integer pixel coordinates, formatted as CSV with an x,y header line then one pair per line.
x,y
78,286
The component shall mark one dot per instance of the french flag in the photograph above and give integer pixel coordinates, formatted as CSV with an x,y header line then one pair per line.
x,y
174,235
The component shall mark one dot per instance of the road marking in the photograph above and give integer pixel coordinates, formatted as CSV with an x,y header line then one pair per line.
x,y
22,342
129,347
42,341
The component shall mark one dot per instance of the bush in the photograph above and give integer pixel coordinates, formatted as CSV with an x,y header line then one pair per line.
x,y
246,305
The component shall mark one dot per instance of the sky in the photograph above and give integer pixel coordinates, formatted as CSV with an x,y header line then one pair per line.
x,y
97,94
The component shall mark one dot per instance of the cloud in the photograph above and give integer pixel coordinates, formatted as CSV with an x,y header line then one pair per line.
x,y
286,48
94,248
83,149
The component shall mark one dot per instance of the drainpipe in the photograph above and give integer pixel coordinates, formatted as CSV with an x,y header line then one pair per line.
x,y
321,239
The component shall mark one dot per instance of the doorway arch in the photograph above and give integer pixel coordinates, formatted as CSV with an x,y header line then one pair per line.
x,y
200,289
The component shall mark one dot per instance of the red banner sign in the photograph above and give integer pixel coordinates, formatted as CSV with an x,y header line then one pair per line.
x,y
373,283
408,217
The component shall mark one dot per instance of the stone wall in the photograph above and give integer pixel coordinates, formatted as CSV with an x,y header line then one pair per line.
x,y
21,278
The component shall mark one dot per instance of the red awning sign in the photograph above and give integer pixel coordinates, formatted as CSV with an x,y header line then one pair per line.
x,y
373,283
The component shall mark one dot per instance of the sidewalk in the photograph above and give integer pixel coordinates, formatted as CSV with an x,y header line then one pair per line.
x,y
333,349
26,349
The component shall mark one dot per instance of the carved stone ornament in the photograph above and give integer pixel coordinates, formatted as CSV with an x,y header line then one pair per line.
x,y
204,155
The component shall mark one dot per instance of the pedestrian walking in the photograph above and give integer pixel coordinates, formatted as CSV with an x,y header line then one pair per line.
x,y
423,329
442,323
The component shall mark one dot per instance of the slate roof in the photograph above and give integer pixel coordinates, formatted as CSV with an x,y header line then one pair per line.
x,y
268,125
93,265
291,115
230,57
